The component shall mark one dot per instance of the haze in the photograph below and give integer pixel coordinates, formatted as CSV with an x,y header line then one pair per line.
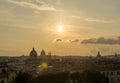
x,y
63,27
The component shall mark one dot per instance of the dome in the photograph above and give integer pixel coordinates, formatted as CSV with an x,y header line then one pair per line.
x,y
43,53
33,53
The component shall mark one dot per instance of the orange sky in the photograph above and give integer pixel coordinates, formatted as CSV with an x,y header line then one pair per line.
x,y
63,27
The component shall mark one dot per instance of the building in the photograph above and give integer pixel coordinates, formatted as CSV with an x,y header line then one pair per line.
x,y
3,73
98,55
33,53
43,54
113,75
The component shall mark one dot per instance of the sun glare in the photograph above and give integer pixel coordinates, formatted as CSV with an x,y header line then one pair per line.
x,y
60,29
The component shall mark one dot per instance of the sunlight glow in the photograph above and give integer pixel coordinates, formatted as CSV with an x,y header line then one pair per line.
x,y
60,28
43,66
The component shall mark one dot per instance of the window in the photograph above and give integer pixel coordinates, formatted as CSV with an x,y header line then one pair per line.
x,y
111,73
4,71
111,79
118,73
104,73
118,79
107,73
2,81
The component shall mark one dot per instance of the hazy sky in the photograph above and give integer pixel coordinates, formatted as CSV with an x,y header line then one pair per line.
x,y
63,27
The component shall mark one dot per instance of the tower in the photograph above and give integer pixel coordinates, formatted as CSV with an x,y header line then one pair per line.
x,y
98,55
116,55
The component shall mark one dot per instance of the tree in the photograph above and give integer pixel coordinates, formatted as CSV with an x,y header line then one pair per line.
x,y
87,76
77,77
22,78
94,76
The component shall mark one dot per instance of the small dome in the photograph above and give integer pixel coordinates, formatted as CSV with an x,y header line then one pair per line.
x,y
33,53
43,53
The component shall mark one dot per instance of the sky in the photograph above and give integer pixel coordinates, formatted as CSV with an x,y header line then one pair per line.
x,y
62,27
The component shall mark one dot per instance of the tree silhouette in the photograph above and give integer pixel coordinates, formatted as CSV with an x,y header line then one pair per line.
x,y
62,77
22,78
77,77
94,76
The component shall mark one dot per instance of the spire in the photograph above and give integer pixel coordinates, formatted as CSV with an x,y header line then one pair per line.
x,y
33,48
98,55
116,54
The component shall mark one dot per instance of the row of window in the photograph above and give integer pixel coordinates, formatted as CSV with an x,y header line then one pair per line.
x,y
3,71
115,81
2,81
111,73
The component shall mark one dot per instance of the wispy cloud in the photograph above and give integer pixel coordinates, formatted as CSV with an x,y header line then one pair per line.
x,y
34,4
98,20
102,40
90,19
67,40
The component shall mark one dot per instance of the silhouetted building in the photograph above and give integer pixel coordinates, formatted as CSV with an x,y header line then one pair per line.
x,y
98,55
3,73
33,53
116,55
49,55
43,54
113,75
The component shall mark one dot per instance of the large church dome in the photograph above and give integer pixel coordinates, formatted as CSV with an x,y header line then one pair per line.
x,y
33,53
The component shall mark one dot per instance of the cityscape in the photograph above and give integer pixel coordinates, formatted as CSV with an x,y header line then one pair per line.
x,y
46,63
59,41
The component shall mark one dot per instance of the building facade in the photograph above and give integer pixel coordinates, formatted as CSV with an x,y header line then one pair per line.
x,y
3,73
113,75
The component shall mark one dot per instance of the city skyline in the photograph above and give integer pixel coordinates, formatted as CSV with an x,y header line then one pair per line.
x,y
62,27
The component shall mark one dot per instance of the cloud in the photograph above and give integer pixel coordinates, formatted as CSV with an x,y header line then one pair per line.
x,y
74,41
90,19
102,40
67,41
58,40
34,4
98,20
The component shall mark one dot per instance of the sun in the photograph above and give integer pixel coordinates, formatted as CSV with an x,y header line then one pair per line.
x,y
60,28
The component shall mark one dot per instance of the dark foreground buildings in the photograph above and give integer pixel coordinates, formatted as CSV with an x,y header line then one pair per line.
x,y
43,63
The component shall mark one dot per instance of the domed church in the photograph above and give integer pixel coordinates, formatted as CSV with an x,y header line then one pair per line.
x,y
43,54
33,53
